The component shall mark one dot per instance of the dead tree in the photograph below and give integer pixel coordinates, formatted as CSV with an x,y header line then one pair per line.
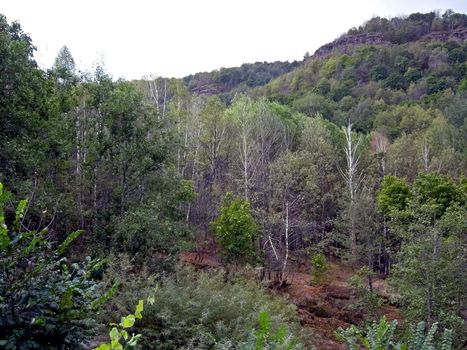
x,y
353,178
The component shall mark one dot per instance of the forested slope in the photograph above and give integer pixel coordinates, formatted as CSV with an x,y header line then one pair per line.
x,y
353,159
225,82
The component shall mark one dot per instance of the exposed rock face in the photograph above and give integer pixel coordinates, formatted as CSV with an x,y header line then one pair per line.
x,y
347,43
455,35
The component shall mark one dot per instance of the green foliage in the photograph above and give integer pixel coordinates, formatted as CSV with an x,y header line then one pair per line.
x,y
312,104
400,30
402,119
264,339
308,178
463,85
430,221
202,311
393,195
24,109
412,74
437,190
318,264
365,299
227,81
68,240
379,72
419,340
377,336
64,65
135,164
148,230
409,73
430,263
119,332
396,81
381,336
45,302
234,228
4,238
128,281
436,84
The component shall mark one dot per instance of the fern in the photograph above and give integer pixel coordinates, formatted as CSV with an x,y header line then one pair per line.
x,y
446,340
70,238
418,336
380,336
420,341
265,339
428,342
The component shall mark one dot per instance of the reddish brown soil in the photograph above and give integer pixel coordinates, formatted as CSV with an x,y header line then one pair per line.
x,y
322,308
201,260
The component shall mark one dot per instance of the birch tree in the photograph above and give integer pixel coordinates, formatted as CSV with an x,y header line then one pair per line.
x,y
242,114
352,177
156,89
286,219
380,145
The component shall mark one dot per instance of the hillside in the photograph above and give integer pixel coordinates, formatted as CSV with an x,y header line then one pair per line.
x,y
227,81
364,72
320,203
400,30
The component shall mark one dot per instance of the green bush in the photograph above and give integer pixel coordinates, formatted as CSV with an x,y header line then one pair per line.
x,y
45,302
152,231
202,311
381,336
379,72
318,264
364,299
130,283
234,228
265,339
119,337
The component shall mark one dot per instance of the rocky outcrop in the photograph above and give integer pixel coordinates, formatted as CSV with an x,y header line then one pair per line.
x,y
347,43
454,35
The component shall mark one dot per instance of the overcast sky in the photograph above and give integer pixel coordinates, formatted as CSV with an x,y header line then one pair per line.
x,y
174,38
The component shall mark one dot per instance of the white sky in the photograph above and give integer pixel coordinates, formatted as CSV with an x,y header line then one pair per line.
x,y
175,38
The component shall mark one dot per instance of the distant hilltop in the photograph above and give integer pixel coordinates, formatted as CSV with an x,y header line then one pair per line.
x,y
346,43
416,27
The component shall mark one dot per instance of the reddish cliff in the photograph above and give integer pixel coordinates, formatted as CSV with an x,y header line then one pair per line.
x,y
347,43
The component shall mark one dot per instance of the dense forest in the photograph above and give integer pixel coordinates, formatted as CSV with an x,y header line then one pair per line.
x,y
318,204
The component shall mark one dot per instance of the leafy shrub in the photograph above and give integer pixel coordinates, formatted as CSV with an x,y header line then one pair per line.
x,y
364,299
202,311
312,104
412,74
377,336
318,263
45,302
130,283
152,230
119,334
235,228
396,81
463,85
265,339
380,336
379,72
421,341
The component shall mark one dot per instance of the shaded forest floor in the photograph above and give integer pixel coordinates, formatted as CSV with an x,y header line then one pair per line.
x,y
324,307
